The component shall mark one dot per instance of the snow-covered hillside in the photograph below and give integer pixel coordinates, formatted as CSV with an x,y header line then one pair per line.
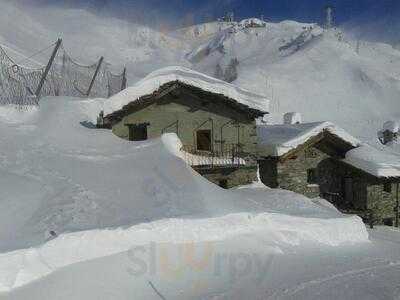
x,y
86,37
303,68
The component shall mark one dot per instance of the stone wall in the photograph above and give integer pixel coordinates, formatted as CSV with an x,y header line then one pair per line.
x,y
382,203
233,176
333,177
292,174
367,195
366,192
184,115
188,116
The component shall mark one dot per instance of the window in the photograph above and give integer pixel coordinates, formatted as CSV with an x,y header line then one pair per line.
x,y
138,132
203,140
388,222
312,176
387,187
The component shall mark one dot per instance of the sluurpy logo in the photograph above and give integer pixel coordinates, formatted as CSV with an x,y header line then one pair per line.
x,y
175,262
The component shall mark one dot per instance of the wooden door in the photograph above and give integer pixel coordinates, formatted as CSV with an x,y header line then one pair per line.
x,y
138,132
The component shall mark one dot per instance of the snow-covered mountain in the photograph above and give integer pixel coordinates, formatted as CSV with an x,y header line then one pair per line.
x,y
325,75
301,67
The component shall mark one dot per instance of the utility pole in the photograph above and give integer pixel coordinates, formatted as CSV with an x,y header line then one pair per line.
x,y
47,70
358,47
328,17
94,76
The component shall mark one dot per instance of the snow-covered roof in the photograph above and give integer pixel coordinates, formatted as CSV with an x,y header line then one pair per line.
x,y
378,163
157,79
277,140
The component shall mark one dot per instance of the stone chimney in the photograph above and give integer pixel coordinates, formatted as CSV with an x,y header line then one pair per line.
x,y
389,133
292,118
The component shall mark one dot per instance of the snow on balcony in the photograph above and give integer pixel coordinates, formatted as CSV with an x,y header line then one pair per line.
x,y
227,158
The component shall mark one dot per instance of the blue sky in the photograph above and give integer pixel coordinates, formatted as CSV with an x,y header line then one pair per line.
x,y
179,12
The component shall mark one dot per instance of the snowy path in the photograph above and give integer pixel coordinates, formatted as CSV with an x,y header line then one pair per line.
x,y
328,285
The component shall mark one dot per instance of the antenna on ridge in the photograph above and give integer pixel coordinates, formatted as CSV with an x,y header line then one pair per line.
x,y
329,18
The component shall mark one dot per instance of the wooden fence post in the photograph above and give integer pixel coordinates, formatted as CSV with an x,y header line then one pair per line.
x,y
371,219
124,80
94,76
397,205
47,70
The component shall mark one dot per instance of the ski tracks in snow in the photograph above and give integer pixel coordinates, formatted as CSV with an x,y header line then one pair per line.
x,y
291,293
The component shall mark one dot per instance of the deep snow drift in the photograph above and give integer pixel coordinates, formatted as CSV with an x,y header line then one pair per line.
x,y
102,195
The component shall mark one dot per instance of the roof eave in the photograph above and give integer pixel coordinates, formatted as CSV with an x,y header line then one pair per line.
x,y
113,118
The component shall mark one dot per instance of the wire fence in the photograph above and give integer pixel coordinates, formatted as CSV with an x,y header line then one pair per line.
x,y
21,85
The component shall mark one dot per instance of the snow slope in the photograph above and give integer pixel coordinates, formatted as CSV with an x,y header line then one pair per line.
x,y
86,37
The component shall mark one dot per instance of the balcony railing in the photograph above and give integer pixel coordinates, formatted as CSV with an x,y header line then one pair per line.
x,y
230,156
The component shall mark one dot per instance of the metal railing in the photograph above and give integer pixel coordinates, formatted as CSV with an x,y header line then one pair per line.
x,y
229,155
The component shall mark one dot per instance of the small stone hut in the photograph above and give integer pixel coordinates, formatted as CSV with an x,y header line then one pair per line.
x,y
368,180
215,121
322,160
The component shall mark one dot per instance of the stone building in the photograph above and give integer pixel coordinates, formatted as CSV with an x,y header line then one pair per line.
x,y
214,120
322,160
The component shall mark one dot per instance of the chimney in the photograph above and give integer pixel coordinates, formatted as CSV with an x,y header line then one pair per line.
x,y
292,118
389,133
328,17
